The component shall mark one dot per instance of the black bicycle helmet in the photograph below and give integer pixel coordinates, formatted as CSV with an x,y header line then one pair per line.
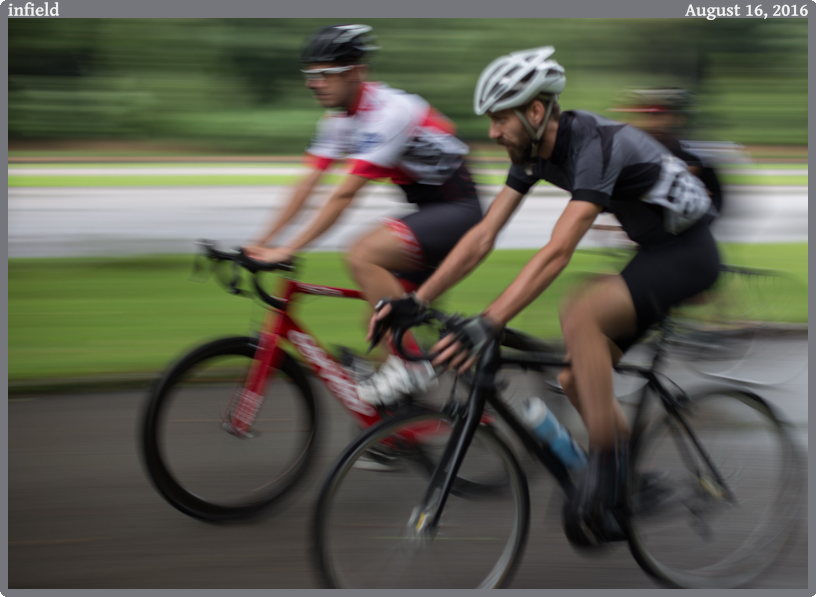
x,y
347,44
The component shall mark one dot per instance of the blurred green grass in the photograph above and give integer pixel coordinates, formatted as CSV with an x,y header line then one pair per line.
x,y
80,317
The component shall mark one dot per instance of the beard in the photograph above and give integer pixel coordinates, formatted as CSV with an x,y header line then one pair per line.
x,y
520,152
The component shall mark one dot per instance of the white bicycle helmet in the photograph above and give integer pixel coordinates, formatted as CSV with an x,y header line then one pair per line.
x,y
514,80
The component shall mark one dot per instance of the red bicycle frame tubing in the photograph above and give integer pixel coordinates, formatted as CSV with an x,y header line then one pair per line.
x,y
281,325
269,355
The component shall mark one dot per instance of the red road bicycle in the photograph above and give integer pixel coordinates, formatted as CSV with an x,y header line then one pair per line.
x,y
231,427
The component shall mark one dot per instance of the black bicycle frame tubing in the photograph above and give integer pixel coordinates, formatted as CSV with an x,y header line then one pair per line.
x,y
484,383
439,472
671,408
540,450
703,454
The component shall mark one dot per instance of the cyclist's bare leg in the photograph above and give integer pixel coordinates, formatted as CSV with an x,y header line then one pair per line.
x,y
567,380
566,377
600,311
373,258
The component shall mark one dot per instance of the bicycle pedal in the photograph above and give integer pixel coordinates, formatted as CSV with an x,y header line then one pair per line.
x,y
360,367
590,537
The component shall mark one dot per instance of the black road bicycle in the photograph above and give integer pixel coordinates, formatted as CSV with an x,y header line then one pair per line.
x,y
726,468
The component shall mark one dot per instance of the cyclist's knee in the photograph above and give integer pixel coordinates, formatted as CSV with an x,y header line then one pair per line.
x,y
378,249
357,256
604,309
567,381
576,319
362,255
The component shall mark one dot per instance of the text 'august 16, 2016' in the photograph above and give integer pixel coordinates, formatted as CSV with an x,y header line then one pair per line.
x,y
747,10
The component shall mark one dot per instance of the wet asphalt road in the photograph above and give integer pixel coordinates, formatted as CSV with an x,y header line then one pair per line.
x,y
82,513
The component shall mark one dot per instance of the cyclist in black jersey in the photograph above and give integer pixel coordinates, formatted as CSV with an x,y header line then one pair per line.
x,y
607,166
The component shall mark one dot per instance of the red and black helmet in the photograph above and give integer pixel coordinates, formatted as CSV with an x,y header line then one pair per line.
x,y
671,100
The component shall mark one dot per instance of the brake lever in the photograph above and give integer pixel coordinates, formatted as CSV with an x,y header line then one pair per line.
x,y
378,334
236,278
200,273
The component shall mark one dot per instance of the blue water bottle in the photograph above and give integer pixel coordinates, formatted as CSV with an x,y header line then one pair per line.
x,y
550,431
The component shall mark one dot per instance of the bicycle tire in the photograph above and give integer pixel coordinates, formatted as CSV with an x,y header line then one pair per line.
x,y
199,467
350,554
695,535
723,336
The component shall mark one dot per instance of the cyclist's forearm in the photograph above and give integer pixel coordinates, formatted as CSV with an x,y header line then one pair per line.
x,y
473,247
341,199
324,220
534,279
469,252
545,266
301,194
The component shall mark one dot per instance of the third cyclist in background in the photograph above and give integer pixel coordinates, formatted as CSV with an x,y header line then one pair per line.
x,y
665,114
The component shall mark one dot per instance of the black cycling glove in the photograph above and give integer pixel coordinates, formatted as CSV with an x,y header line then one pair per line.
x,y
475,333
406,307
405,311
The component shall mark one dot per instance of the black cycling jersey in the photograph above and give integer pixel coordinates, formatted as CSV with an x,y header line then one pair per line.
x,y
624,170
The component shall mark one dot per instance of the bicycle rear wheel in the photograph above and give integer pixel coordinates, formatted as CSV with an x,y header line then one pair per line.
x,y
197,464
365,524
714,513
725,336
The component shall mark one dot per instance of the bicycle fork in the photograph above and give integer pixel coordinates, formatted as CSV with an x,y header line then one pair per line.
x,y
424,520
247,399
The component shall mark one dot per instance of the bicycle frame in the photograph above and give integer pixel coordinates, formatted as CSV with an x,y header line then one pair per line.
x,y
484,392
278,326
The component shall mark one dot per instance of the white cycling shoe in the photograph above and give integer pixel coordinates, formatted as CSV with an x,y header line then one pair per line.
x,y
396,379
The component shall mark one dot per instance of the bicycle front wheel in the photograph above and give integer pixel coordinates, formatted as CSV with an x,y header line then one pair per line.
x,y
366,523
714,501
197,463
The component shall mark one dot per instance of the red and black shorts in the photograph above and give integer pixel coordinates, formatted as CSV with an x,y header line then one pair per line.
x,y
428,235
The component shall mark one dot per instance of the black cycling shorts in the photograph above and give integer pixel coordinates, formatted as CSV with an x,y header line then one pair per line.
x,y
428,235
664,275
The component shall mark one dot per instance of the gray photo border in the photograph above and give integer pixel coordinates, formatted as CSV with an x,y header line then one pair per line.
x,y
357,9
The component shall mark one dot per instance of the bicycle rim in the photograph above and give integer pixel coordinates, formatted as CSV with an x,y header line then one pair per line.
x,y
365,528
718,526
194,460
725,338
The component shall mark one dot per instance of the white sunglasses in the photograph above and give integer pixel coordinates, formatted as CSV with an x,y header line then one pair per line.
x,y
318,74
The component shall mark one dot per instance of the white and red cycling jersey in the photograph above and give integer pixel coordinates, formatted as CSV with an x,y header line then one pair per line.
x,y
389,133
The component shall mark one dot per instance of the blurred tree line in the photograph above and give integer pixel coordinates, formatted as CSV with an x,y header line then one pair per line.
x,y
235,85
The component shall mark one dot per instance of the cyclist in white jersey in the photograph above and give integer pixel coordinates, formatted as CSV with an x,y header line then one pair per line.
x,y
606,166
382,133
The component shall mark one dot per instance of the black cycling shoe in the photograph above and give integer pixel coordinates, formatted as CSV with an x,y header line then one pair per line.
x,y
592,517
